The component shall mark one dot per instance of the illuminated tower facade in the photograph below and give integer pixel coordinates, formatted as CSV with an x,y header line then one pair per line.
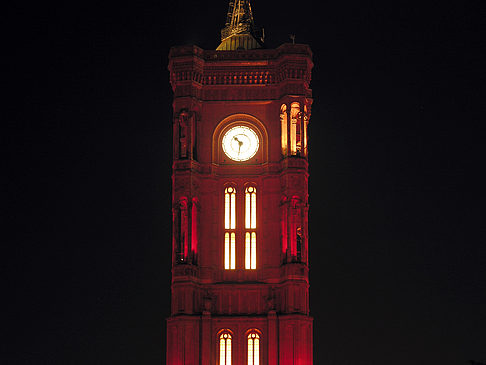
x,y
240,200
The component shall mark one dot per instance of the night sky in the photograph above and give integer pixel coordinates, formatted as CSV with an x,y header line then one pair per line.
x,y
397,233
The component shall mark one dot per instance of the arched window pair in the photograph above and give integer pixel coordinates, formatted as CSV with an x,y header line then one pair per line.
x,y
294,134
253,348
230,227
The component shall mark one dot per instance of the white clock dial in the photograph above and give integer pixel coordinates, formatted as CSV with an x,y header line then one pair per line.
x,y
240,143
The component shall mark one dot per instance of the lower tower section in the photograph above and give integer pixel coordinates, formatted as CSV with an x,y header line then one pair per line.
x,y
240,340
240,322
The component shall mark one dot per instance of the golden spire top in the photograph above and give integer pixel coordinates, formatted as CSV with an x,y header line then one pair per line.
x,y
240,31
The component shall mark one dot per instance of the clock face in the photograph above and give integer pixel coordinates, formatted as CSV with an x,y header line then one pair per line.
x,y
240,143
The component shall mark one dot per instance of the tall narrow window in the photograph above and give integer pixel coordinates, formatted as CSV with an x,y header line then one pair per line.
x,y
295,129
306,123
250,228
283,128
229,228
225,349
253,349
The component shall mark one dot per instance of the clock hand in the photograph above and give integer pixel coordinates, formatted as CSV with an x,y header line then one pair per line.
x,y
239,143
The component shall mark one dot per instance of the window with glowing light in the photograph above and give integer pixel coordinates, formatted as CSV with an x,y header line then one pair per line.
x,y
253,349
225,349
250,228
306,124
295,129
283,128
229,228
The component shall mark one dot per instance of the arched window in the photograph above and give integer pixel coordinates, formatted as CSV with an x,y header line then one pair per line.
x,y
283,127
295,129
250,228
253,348
229,228
225,349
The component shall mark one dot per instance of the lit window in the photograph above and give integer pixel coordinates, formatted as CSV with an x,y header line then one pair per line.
x,y
250,227
229,226
306,123
253,349
295,129
283,126
225,349
230,208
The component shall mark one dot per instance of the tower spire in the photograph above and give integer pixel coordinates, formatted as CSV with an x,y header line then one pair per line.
x,y
240,31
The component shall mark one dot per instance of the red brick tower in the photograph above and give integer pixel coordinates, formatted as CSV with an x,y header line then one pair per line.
x,y
240,201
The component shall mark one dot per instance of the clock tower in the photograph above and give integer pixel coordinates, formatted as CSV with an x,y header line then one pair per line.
x,y
240,257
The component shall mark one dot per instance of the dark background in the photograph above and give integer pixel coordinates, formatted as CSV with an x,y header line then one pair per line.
x,y
398,257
